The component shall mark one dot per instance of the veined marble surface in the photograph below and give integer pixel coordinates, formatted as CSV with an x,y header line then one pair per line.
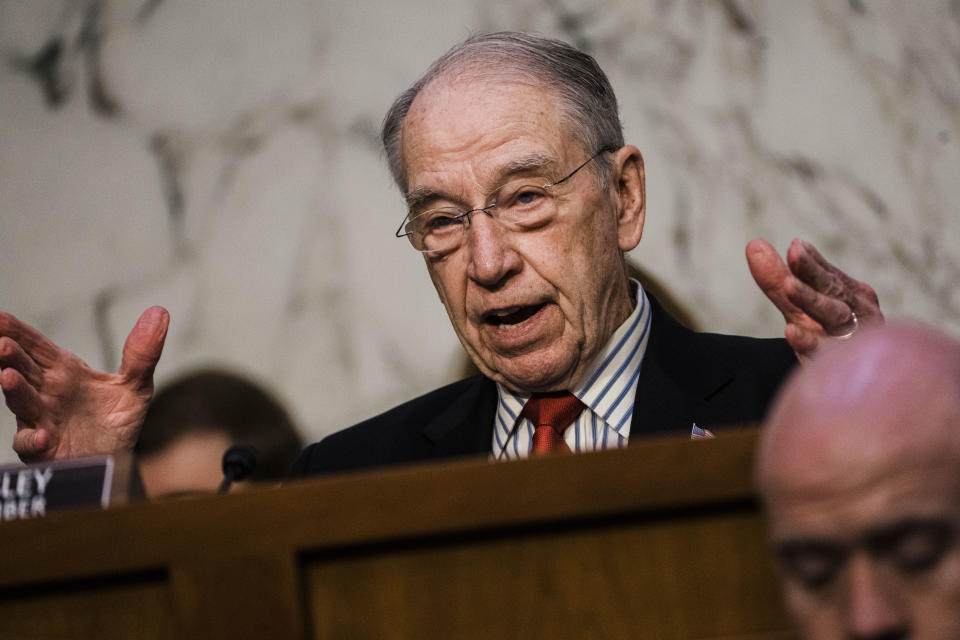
x,y
220,158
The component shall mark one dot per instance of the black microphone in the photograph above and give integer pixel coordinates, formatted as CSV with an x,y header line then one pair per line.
x,y
239,462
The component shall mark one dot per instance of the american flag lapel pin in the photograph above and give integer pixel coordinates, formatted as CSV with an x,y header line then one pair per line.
x,y
696,433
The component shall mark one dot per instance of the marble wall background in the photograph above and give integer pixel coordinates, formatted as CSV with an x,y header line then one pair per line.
x,y
219,157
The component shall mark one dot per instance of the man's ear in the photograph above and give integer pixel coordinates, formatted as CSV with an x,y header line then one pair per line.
x,y
632,196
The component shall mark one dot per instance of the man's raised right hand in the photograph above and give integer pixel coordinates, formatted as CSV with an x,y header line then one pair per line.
x,y
65,409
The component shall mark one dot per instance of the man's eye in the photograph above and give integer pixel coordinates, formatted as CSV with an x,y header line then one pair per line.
x,y
521,198
915,547
528,196
441,222
814,566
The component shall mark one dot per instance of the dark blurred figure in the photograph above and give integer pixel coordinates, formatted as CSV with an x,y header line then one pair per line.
x,y
859,468
195,419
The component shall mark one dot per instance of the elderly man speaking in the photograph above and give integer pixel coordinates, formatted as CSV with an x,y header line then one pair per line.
x,y
523,199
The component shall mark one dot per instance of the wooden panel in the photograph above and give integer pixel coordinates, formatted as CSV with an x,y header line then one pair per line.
x,y
659,540
238,595
96,608
668,579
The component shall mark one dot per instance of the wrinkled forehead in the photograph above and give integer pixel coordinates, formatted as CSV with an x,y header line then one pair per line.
x,y
868,440
460,118
835,503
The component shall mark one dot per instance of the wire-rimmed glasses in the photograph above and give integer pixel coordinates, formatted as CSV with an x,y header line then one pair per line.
x,y
517,205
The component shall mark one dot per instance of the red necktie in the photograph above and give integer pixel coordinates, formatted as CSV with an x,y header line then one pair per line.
x,y
551,414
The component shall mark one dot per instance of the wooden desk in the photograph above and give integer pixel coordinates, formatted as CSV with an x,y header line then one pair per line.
x,y
661,540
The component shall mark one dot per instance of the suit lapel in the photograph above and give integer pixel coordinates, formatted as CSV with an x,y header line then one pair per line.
x,y
678,383
465,426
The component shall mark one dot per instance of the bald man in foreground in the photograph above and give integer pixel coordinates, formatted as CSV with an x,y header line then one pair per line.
x,y
859,469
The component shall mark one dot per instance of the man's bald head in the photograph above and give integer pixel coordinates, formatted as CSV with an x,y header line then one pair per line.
x,y
893,388
859,468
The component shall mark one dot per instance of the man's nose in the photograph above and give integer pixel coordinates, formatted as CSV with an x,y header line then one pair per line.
x,y
492,256
875,610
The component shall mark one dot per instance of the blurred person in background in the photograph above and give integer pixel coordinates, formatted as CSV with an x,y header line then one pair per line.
x,y
859,470
191,423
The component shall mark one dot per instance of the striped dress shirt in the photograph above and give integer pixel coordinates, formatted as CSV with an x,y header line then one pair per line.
x,y
607,389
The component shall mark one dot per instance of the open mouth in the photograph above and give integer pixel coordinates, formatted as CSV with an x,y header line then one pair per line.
x,y
512,315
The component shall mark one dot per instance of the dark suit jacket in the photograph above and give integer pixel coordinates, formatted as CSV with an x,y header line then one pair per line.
x,y
686,377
